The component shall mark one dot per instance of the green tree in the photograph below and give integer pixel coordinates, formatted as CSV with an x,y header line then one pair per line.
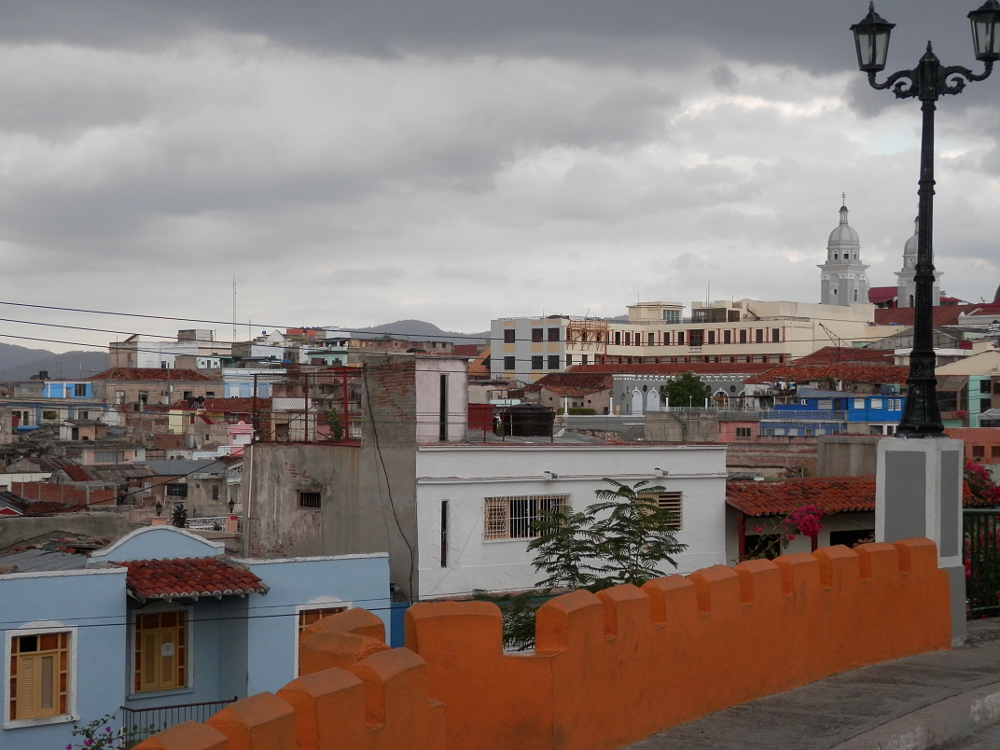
x,y
179,516
685,390
625,538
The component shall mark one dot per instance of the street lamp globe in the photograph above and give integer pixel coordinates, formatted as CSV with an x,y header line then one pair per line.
x,y
984,31
871,37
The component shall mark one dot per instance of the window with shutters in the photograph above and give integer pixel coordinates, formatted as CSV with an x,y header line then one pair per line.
x,y
39,677
672,503
161,649
512,517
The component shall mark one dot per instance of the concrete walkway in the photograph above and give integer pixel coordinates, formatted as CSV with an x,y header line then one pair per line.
x,y
916,703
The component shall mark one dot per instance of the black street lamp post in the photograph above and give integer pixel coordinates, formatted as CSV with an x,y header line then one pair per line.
x,y
928,81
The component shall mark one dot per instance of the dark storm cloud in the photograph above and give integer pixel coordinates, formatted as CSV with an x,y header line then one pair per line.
x,y
811,35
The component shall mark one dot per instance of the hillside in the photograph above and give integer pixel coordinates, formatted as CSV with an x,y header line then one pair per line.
x,y
20,363
421,330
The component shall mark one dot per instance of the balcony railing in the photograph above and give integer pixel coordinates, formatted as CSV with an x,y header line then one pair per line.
x,y
803,415
140,723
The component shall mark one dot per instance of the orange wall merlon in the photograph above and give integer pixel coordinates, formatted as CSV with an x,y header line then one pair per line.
x,y
609,669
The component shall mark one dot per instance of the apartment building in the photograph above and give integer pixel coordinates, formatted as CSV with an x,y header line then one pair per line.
x,y
740,331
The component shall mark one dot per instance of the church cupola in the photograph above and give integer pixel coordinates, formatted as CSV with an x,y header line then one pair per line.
x,y
843,280
906,286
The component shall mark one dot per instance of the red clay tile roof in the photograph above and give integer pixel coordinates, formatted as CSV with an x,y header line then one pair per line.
x,y
189,578
830,494
228,405
829,354
944,315
573,383
153,373
880,294
850,372
671,368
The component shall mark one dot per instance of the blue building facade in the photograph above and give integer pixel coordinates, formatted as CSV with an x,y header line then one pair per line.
x,y
96,644
818,412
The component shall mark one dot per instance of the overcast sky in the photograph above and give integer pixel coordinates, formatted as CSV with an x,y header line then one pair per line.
x,y
363,161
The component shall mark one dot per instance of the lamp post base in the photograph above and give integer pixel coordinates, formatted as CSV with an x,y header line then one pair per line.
x,y
918,492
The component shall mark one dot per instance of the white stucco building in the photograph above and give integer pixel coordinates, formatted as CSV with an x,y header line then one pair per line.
x,y
474,505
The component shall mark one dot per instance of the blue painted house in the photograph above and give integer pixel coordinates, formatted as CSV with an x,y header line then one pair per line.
x,y
817,412
160,618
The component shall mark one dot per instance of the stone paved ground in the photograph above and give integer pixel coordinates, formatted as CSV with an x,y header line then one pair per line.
x,y
915,703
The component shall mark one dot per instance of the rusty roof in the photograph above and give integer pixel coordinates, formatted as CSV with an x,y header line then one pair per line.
x,y
153,373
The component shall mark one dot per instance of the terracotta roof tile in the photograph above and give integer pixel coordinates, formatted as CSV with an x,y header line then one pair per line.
x,y
189,578
944,315
852,372
676,368
153,373
830,494
844,354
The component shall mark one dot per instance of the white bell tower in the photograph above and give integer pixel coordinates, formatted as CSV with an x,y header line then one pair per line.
x,y
842,279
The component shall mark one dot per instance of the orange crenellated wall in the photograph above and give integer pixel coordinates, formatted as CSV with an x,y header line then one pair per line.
x,y
608,669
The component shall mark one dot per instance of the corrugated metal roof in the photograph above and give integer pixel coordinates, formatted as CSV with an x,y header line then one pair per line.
x,y
42,560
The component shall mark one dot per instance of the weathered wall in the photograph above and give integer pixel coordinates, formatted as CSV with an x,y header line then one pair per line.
x,y
682,427
608,669
777,457
367,495
847,455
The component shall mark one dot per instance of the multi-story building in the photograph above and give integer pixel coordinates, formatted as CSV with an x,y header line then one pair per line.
x,y
143,351
741,331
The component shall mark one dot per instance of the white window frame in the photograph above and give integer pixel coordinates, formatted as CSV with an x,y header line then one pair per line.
x,y
320,602
42,628
154,609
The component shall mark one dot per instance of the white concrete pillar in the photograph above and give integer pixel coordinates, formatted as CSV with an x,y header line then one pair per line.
x,y
918,492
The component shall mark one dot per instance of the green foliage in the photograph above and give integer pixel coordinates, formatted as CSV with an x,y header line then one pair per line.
x,y
685,390
576,410
335,425
179,516
625,538
518,614
563,544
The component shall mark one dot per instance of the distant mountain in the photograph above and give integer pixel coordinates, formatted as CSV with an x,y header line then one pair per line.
x,y
422,331
20,363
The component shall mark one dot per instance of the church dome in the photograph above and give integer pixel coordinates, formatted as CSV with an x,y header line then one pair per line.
x,y
844,235
910,248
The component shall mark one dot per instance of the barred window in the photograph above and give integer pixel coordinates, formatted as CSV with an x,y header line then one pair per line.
x,y
512,517
671,502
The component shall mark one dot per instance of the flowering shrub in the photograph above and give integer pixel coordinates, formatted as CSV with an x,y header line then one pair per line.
x,y
980,489
960,413
98,735
803,521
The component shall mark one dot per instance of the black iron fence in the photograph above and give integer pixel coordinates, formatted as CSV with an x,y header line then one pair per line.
x,y
140,723
981,555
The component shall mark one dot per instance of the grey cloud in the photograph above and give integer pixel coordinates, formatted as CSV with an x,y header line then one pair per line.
x,y
814,36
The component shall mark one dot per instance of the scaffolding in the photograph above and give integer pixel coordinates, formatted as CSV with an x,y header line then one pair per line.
x,y
308,405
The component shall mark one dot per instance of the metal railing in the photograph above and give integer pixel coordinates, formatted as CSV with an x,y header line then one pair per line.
x,y
208,523
981,554
803,415
140,723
